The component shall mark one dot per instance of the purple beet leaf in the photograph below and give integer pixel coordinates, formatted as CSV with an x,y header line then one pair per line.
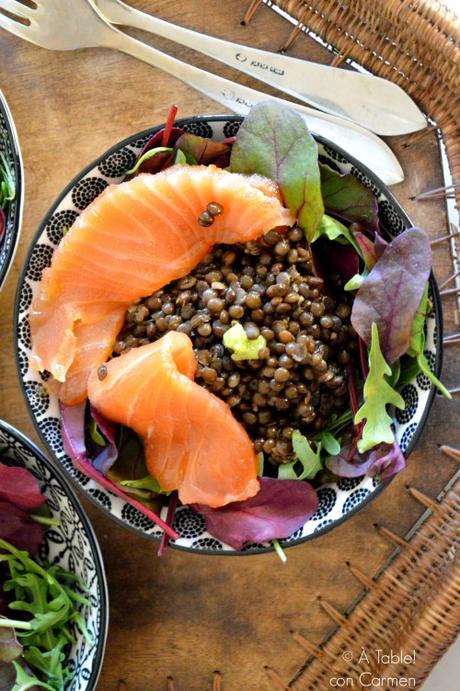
x,y
8,677
347,198
274,141
341,259
10,648
20,487
384,459
160,160
17,527
73,437
202,150
277,511
391,293
109,454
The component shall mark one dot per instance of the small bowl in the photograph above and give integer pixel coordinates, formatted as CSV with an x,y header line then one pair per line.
x,y
72,545
337,500
9,146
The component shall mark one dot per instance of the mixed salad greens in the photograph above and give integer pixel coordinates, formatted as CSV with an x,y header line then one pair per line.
x,y
7,192
39,604
389,281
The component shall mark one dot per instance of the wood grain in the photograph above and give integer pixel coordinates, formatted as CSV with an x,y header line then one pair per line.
x,y
185,614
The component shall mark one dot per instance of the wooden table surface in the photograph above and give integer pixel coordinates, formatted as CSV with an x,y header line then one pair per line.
x,y
186,615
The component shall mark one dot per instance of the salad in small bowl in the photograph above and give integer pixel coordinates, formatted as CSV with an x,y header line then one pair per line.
x,y
228,332
53,593
11,184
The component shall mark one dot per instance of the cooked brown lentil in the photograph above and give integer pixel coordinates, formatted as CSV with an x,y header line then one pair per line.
x,y
268,286
102,372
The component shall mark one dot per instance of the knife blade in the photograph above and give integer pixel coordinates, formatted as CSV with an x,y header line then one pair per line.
x,y
373,102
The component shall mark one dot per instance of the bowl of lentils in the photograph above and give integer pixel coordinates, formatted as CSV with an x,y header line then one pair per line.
x,y
323,379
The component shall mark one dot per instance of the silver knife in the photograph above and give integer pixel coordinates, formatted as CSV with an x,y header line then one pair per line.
x,y
373,102
360,143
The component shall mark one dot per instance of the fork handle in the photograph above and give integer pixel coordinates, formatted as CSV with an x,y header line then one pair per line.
x,y
355,140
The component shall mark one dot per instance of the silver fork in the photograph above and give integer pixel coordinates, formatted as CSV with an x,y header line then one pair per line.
x,y
74,24
373,102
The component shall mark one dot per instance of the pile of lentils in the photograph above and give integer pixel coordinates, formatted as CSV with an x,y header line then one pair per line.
x,y
268,286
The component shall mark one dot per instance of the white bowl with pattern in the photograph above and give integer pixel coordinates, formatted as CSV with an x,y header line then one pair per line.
x,y
337,500
73,545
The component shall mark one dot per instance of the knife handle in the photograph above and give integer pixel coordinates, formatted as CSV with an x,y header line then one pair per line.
x,y
375,103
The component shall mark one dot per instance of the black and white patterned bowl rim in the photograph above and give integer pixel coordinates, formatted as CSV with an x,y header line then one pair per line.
x,y
337,500
73,546
9,146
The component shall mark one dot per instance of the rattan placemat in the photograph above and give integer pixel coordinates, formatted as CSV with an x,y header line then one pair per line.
x,y
409,612
414,43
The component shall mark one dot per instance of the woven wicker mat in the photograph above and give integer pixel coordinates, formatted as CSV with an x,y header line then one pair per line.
x,y
409,611
414,43
254,619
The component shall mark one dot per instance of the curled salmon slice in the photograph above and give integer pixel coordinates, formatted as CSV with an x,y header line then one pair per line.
x,y
133,239
192,442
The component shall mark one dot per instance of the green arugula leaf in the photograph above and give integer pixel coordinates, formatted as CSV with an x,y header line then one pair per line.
x,y
243,348
309,459
49,663
7,184
49,598
377,395
274,141
25,681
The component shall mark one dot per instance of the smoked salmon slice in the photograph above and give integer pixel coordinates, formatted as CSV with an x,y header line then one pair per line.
x,y
192,442
133,239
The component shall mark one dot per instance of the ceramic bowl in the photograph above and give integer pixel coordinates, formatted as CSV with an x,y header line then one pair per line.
x,y
337,500
73,546
9,146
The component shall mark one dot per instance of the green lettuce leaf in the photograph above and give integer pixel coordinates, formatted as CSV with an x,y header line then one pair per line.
x,y
308,459
332,229
377,395
329,442
355,281
417,345
243,348
274,141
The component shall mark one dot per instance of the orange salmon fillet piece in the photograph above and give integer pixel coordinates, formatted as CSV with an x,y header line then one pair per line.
x,y
133,239
192,442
